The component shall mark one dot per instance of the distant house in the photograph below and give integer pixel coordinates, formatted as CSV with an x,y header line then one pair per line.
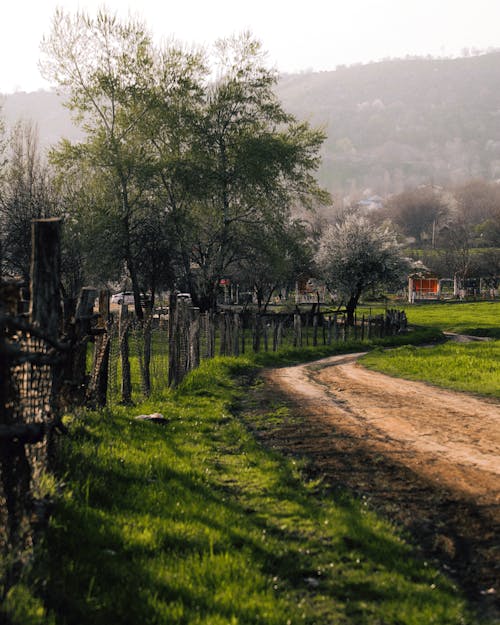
x,y
423,285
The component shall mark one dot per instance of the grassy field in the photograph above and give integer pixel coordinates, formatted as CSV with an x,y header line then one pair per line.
x,y
193,523
472,367
476,318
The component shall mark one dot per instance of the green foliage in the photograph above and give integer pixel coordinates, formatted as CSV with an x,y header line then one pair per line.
x,y
22,608
181,163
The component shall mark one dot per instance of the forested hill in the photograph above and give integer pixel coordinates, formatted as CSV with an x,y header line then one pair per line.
x,y
403,122
391,124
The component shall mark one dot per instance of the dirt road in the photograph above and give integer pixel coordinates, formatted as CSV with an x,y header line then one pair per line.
x,y
427,458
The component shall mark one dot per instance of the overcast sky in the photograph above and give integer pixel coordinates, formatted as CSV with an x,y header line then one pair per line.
x,y
310,34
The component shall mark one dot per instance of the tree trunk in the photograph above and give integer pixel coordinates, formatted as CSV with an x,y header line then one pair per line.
x,y
351,309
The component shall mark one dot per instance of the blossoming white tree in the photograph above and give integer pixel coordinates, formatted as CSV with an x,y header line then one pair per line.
x,y
355,256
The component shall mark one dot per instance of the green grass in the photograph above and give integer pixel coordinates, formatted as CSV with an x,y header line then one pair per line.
x,y
194,523
472,367
475,318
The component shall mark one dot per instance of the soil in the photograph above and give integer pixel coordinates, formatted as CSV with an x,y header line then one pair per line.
x,y
427,458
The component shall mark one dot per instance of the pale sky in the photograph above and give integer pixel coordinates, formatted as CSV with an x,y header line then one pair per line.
x,y
298,35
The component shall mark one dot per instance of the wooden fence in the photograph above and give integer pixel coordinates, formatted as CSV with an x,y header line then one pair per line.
x,y
44,368
31,356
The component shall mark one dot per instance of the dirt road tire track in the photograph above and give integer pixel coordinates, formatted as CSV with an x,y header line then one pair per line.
x,y
426,458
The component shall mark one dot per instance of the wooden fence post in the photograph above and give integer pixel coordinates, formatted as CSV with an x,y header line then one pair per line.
x,y
315,329
98,384
173,338
236,334
194,339
123,336
145,357
223,333
45,294
45,301
15,471
83,316
243,335
256,332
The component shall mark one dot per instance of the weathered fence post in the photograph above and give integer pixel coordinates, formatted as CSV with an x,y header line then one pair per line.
x,y
83,316
315,328
297,330
236,334
256,332
265,334
98,384
279,336
275,335
194,339
123,340
221,322
243,324
15,472
45,300
173,340
29,407
145,361
179,329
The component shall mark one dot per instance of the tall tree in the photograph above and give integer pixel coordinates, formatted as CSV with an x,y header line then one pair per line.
x,y
104,65
251,159
275,254
418,213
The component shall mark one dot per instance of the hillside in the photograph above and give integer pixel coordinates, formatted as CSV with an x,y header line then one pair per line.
x,y
390,124
400,123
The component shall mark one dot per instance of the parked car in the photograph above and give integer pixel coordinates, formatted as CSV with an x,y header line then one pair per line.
x,y
125,297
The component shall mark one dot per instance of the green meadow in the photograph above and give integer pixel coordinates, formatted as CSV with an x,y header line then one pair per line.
x,y
475,318
193,522
472,367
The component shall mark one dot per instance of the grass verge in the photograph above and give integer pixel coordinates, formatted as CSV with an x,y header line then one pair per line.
x,y
194,523
475,318
471,367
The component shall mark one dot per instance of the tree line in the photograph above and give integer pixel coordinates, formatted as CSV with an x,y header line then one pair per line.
x,y
190,172
454,231
187,173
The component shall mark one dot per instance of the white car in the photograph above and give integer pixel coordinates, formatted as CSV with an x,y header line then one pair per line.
x,y
126,297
